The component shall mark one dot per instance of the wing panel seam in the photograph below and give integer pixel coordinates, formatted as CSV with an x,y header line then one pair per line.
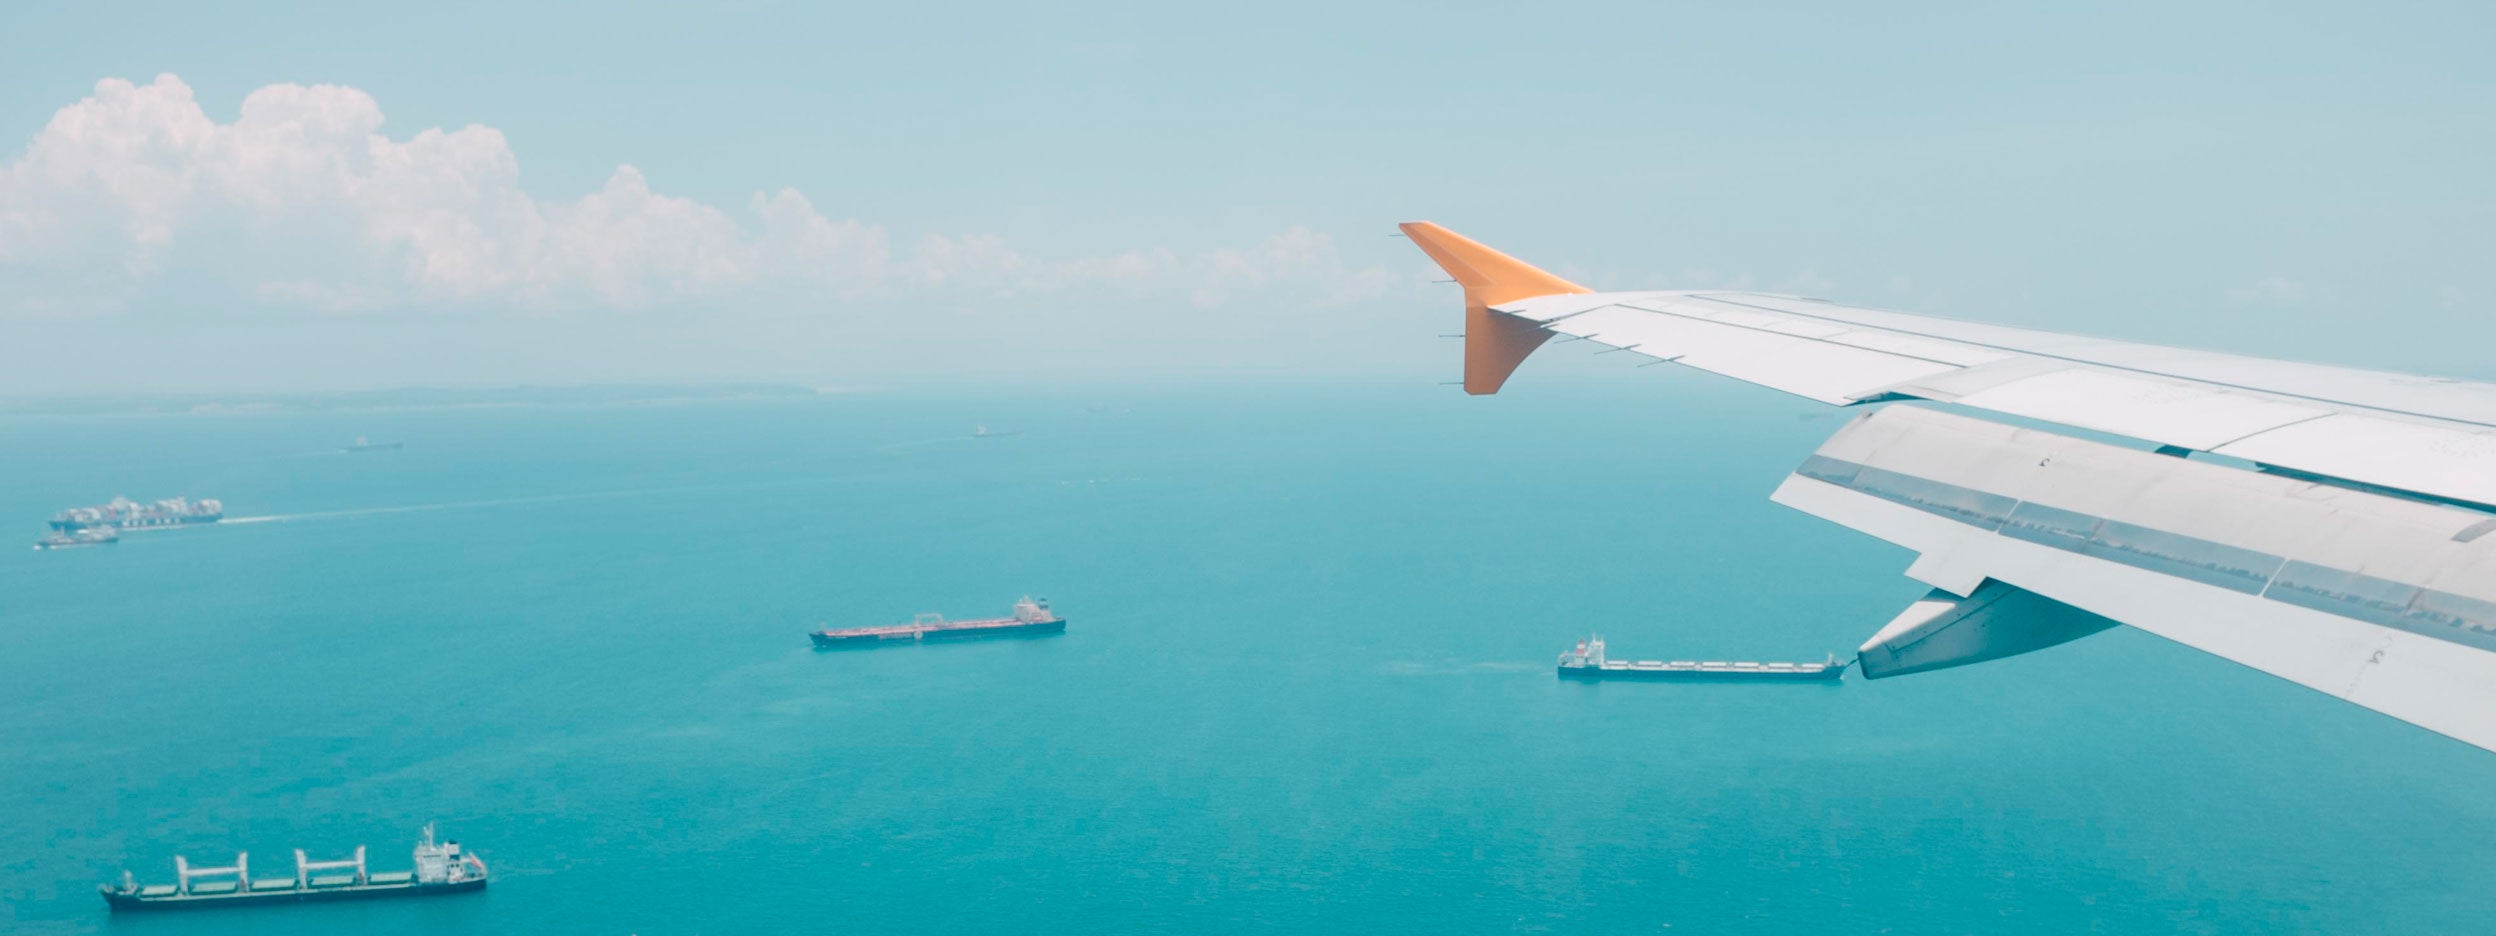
x,y
2084,361
1825,341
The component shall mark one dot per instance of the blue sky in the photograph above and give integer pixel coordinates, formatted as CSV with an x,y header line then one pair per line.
x,y
1162,191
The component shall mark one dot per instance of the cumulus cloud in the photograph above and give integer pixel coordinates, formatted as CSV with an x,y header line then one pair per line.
x,y
337,215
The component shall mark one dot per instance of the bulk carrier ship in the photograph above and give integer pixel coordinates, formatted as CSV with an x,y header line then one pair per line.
x,y
441,868
1032,618
1589,663
122,513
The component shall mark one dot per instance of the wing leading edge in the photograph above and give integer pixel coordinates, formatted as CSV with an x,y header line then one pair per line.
x,y
2351,559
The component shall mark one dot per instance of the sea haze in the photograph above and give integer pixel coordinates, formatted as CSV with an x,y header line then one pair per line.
x,y
1306,687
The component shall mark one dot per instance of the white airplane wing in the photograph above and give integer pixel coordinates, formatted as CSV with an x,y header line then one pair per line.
x,y
2322,524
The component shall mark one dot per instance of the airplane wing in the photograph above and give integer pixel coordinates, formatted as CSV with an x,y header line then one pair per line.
x,y
2325,525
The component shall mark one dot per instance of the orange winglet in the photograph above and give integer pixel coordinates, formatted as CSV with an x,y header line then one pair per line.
x,y
1494,343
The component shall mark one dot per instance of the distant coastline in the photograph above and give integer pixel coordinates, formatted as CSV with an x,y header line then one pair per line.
x,y
404,398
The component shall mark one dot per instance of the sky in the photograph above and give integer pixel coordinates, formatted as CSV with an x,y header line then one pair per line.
x,y
314,196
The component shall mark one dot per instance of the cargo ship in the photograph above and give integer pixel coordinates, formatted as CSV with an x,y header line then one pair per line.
x,y
1588,662
1032,618
123,513
441,868
92,536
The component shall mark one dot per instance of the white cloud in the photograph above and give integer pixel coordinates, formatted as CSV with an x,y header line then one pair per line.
x,y
2270,290
331,213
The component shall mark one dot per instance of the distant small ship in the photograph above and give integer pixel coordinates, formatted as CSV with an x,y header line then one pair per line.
x,y
366,445
90,536
1588,662
983,432
124,513
1032,618
441,868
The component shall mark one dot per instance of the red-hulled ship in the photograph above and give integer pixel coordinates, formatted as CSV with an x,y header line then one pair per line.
x,y
1032,618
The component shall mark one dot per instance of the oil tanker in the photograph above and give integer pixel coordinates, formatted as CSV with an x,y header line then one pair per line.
x,y
1588,662
441,868
1031,618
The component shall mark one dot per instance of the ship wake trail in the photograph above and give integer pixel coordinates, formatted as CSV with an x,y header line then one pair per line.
x,y
1455,668
895,448
455,505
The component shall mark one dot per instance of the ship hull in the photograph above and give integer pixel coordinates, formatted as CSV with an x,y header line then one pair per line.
x,y
1829,674
73,526
132,902
834,640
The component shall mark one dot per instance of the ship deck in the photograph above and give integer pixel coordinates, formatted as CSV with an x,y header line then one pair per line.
x,y
1707,670
282,890
906,630
1708,666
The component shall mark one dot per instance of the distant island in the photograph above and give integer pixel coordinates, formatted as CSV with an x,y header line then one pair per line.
x,y
403,398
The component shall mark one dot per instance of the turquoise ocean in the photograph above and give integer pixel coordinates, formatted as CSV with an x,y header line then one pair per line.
x,y
1306,687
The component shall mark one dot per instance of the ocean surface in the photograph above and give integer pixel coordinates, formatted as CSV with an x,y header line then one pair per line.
x,y
1306,687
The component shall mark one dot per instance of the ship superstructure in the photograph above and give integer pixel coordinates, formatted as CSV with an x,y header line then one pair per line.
x,y
1031,618
123,513
441,868
1589,662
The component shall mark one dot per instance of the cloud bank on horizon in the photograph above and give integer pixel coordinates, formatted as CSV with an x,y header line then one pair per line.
x,y
304,202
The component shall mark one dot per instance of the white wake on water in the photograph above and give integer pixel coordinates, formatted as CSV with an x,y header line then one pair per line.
x,y
455,505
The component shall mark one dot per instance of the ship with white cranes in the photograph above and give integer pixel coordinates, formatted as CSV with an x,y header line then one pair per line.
x,y
441,868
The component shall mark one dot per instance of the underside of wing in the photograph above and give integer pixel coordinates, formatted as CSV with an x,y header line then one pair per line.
x,y
2338,544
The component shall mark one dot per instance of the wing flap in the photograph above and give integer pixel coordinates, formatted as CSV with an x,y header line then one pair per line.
x,y
2366,597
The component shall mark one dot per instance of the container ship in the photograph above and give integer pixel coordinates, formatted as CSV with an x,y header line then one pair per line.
x,y
1588,662
441,868
123,513
1032,618
91,536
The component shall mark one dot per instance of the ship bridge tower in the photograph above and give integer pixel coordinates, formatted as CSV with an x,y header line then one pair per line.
x,y
443,862
1589,653
1032,610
